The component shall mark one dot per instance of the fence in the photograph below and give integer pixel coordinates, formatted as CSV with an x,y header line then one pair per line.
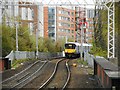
x,y
46,55
90,58
30,55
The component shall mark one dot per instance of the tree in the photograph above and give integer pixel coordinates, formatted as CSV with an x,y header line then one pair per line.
x,y
7,40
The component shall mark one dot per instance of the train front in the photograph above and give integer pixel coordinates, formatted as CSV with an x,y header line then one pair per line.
x,y
70,50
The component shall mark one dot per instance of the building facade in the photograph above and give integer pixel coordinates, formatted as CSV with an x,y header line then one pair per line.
x,y
80,19
26,14
60,23
55,22
84,22
32,17
90,29
8,12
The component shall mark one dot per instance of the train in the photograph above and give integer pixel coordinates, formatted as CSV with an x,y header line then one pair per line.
x,y
73,49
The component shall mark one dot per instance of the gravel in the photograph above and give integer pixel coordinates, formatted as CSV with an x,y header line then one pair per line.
x,y
81,76
8,73
44,75
60,77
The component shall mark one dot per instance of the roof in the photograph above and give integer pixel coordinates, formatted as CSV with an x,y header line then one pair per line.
x,y
76,43
79,44
113,74
105,64
110,69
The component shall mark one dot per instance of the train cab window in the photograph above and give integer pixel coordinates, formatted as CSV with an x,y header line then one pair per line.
x,y
70,46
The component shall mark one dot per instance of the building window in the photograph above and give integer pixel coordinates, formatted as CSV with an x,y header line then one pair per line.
x,y
72,31
59,18
51,17
59,24
32,14
72,25
59,12
68,30
51,10
68,13
23,16
72,13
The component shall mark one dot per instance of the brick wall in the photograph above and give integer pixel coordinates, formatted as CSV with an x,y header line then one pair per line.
x,y
1,65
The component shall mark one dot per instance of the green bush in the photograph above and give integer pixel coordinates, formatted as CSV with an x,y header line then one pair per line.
x,y
17,63
82,62
7,40
26,42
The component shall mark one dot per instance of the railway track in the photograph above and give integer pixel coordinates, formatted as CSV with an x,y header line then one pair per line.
x,y
55,75
24,77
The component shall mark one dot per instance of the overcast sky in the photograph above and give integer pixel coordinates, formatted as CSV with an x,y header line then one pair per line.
x,y
58,1
72,1
87,2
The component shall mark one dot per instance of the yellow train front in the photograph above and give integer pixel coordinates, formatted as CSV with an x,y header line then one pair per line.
x,y
72,49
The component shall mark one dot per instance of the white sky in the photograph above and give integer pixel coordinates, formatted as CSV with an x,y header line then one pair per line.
x,y
78,2
59,1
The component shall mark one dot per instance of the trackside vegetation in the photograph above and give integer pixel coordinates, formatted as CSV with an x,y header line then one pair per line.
x,y
27,42
100,31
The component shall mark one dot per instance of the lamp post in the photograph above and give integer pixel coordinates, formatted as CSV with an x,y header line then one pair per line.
x,y
83,26
16,36
36,43
81,41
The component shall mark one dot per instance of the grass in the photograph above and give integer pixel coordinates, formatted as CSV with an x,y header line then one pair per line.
x,y
82,62
17,63
98,51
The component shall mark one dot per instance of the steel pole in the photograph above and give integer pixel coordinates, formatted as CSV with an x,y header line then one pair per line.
x,y
16,38
36,44
81,40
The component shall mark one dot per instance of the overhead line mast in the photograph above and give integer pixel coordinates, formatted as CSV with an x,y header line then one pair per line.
x,y
110,5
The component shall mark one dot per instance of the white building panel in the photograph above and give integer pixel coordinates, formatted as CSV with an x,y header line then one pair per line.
x,y
30,14
40,21
23,16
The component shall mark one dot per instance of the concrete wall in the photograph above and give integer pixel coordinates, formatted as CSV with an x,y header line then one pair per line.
x,y
31,55
89,58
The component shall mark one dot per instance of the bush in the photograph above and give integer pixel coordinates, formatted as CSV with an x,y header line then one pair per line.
x,y
27,42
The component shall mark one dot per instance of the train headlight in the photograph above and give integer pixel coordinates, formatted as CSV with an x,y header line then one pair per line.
x,y
66,51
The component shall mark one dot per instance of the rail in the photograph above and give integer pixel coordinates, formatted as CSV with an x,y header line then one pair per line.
x,y
53,74
69,75
19,72
29,77
55,69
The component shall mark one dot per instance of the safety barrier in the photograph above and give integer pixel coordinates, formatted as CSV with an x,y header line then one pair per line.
x,y
90,59
30,55
107,73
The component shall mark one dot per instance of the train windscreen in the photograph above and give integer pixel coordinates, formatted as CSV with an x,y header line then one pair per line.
x,y
70,46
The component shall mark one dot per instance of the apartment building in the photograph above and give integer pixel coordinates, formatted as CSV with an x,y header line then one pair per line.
x,y
8,12
26,14
90,29
84,18
59,23
66,23
80,22
31,15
